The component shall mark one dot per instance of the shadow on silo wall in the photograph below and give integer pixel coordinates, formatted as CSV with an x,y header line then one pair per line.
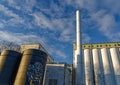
x,y
9,63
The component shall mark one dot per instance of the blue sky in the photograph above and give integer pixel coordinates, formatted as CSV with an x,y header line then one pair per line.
x,y
52,23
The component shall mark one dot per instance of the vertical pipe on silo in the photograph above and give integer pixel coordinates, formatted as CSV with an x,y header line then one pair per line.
x,y
97,69
108,76
88,67
116,64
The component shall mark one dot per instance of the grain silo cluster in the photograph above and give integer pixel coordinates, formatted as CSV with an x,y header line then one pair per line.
x,y
101,63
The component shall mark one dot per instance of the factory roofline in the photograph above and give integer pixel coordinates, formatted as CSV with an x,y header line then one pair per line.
x,y
99,45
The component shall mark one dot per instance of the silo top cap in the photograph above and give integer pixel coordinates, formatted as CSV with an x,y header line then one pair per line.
x,y
10,53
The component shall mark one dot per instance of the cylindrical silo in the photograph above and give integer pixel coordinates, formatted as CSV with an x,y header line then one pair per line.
x,y
108,75
98,76
31,69
9,62
88,67
116,64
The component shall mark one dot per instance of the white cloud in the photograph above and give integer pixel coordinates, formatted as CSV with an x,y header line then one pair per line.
x,y
111,5
21,38
56,52
26,7
42,21
67,35
60,54
9,2
85,38
107,25
1,25
14,18
60,25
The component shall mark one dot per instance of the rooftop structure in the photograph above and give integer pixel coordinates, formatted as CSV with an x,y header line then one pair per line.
x,y
58,74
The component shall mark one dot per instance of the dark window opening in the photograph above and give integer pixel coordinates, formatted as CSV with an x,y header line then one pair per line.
x,y
52,82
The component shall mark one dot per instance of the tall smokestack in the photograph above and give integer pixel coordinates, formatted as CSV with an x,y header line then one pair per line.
x,y
78,34
79,69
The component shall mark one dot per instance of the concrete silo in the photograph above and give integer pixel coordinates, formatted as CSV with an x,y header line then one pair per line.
x,y
108,75
32,67
98,76
116,64
9,63
88,67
